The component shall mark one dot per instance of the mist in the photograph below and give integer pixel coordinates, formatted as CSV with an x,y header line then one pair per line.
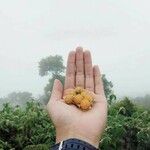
x,y
117,34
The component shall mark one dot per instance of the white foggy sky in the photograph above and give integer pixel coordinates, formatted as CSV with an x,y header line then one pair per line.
x,y
117,33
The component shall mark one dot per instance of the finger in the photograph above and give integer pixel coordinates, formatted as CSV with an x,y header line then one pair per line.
x,y
98,81
89,81
57,90
79,67
70,72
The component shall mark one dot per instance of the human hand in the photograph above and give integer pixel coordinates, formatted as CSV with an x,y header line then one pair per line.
x,y
70,121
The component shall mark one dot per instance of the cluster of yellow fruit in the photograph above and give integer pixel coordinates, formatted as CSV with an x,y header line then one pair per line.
x,y
80,97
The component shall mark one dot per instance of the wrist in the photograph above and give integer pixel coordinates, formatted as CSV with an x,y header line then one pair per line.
x,y
70,132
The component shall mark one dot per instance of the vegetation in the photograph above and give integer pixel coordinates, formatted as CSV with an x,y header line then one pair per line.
x,y
30,128
23,127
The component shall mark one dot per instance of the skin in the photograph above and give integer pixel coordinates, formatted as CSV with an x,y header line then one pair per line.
x,y
71,122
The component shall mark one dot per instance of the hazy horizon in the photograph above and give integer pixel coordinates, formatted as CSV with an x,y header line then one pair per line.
x,y
117,34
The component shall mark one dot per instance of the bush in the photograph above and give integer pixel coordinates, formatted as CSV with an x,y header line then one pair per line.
x,y
37,147
31,128
19,128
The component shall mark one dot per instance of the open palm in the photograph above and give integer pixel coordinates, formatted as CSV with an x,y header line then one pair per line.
x,y
71,122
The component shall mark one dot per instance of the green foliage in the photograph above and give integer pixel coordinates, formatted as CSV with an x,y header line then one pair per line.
x,y
111,98
107,86
128,127
125,107
37,147
19,128
30,128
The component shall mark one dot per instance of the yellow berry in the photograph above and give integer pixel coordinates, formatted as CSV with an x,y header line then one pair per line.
x,y
89,98
77,99
69,98
85,104
80,97
84,94
78,90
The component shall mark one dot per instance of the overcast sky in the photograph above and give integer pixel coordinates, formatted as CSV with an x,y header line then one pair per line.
x,y
117,33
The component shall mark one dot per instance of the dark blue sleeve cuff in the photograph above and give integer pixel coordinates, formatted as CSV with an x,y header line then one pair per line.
x,y
74,144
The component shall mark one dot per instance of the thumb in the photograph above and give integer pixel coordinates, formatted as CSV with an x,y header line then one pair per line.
x,y
57,90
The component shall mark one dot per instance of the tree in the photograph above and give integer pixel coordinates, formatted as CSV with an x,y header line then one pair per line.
x,y
107,86
53,66
17,98
108,89
125,107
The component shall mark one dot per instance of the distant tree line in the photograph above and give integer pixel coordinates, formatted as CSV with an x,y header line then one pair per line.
x,y
17,98
143,101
